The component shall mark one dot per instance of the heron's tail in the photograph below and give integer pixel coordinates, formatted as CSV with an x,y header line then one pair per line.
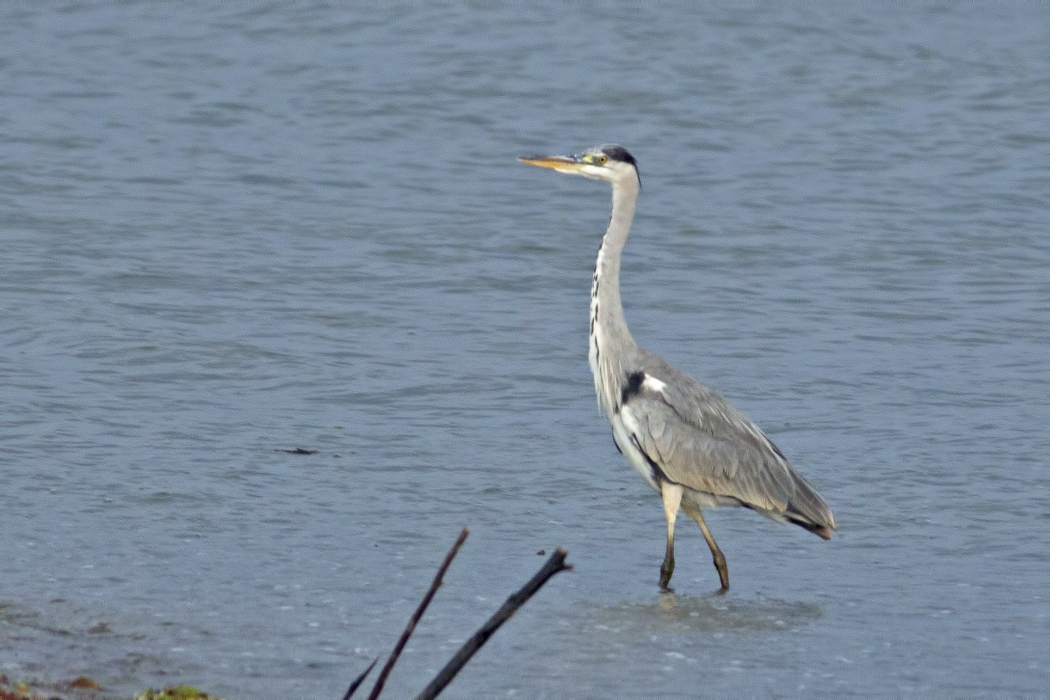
x,y
823,530
808,510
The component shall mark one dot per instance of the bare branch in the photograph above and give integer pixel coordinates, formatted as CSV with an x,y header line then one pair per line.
x,y
381,681
360,679
554,565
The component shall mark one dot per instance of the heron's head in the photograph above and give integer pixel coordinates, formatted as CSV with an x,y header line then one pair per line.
x,y
611,163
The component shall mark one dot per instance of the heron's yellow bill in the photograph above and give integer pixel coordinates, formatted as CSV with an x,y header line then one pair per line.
x,y
562,164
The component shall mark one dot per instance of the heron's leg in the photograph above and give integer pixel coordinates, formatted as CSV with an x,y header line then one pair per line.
x,y
716,553
672,495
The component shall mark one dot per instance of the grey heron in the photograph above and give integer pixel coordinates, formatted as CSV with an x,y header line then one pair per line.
x,y
688,443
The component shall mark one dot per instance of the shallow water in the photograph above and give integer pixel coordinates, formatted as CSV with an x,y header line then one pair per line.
x,y
234,230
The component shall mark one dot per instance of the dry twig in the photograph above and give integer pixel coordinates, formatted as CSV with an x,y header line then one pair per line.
x,y
553,566
357,681
381,681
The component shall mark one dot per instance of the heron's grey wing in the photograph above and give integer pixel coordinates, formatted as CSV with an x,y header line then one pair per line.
x,y
698,439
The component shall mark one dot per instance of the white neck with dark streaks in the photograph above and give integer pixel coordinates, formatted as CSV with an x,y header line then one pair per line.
x,y
609,334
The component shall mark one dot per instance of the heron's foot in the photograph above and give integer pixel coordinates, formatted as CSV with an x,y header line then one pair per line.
x,y
666,569
723,571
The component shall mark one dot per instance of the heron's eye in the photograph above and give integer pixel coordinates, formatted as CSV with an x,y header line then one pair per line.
x,y
602,159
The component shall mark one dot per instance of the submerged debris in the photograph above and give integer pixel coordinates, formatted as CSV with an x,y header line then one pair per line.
x,y
177,692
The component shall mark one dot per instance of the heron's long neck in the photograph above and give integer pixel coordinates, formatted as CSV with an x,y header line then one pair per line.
x,y
610,339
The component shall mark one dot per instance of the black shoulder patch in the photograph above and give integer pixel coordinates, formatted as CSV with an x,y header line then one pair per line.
x,y
633,387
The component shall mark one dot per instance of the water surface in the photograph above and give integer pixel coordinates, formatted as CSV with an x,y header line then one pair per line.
x,y
235,229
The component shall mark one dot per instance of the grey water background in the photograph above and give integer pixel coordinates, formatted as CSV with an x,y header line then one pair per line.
x,y
230,229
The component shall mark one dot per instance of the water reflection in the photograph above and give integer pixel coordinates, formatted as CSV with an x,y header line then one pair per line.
x,y
677,614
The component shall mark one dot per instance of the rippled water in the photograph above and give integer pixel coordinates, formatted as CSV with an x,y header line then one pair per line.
x,y
229,230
